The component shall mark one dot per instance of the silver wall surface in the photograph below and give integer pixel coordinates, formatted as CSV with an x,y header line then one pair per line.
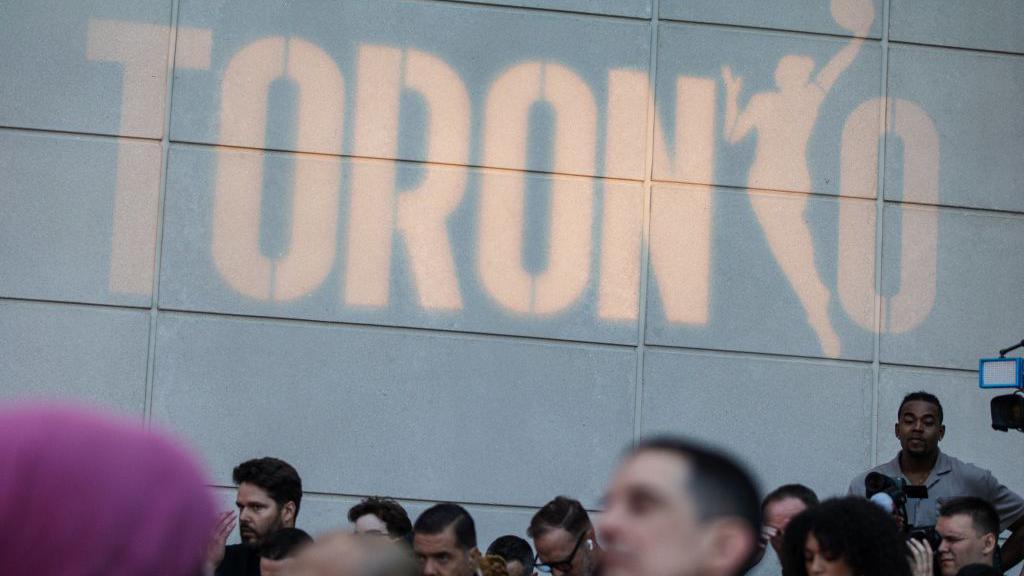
x,y
471,251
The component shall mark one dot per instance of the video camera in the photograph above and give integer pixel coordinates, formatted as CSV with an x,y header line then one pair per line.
x,y
1003,372
892,494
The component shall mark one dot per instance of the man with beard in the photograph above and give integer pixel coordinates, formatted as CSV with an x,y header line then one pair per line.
x,y
268,498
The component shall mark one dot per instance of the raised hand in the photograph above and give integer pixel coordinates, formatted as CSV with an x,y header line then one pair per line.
x,y
733,84
219,539
921,555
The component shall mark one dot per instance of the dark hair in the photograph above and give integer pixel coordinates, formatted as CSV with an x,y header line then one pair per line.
x,y
798,491
439,517
719,485
983,516
562,512
277,477
284,543
852,529
979,570
389,511
513,549
922,396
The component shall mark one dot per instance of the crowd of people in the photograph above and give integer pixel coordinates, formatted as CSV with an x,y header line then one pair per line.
x,y
84,494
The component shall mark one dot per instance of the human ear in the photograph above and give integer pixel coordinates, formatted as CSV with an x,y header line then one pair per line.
x,y
288,513
989,545
730,542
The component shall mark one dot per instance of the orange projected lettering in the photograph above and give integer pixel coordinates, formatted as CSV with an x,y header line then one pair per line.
x,y
681,221
236,216
919,236
422,213
502,198
618,296
141,49
781,120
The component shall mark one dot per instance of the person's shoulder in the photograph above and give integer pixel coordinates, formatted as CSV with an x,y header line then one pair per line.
x,y
238,560
238,551
964,468
857,484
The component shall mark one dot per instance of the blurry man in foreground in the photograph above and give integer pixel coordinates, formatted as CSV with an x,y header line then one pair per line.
x,y
341,554
676,509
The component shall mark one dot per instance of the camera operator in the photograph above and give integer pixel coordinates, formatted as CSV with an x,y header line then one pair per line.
x,y
919,429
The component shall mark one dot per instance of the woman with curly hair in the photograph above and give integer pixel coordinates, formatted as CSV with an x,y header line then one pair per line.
x,y
844,537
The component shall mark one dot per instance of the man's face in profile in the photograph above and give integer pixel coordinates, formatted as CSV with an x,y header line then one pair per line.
x,y
650,525
919,428
777,515
568,555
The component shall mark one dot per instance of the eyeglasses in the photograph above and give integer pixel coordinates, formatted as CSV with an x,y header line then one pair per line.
x,y
562,565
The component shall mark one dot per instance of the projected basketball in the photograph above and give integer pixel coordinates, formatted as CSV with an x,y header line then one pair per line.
x,y
853,15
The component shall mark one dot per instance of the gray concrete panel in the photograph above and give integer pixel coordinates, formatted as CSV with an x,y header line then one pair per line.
x,y
458,270
98,66
74,353
441,82
788,420
731,291
970,105
756,134
969,434
951,284
629,8
780,14
982,24
79,218
409,414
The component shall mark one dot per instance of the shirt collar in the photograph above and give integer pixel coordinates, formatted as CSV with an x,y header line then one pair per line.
x,y
943,466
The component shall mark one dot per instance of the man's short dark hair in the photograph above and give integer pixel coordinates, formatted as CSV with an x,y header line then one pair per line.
x,y
983,515
389,511
439,517
719,486
562,512
284,543
798,491
513,549
922,396
277,477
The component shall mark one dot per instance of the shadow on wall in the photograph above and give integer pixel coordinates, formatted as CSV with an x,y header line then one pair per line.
x,y
479,230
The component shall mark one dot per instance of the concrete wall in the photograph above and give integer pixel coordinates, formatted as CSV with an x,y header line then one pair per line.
x,y
470,251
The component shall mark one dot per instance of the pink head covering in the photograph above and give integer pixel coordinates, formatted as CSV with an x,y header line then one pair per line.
x,y
87,494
